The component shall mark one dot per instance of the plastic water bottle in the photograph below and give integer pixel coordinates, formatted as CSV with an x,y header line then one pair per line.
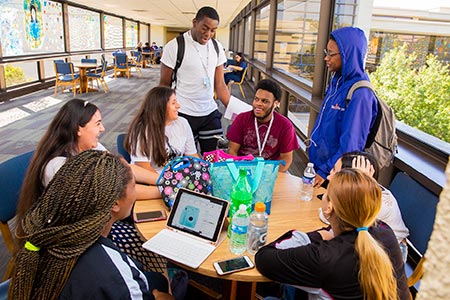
x,y
239,228
309,175
257,229
241,193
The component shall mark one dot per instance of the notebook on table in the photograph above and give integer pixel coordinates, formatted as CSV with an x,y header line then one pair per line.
x,y
193,229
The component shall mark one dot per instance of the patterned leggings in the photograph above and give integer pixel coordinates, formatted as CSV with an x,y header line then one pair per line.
x,y
126,237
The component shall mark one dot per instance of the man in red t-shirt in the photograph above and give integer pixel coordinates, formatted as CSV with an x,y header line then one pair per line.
x,y
262,131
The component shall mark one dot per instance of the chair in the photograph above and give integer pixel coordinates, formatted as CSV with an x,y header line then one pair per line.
x,y
418,207
12,173
65,76
239,83
4,286
99,78
121,64
137,61
120,149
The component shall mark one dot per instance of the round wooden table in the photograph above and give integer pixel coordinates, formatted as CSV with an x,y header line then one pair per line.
x,y
287,212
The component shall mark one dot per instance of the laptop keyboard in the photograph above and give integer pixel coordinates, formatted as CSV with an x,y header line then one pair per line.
x,y
180,248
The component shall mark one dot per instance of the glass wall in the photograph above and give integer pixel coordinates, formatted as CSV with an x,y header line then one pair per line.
x,y
31,27
296,37
249,39
344,13
18,73
113,31
261,33
143,33
131,34
84,29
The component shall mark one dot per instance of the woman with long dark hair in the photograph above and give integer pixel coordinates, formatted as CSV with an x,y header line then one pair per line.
x,y
156,134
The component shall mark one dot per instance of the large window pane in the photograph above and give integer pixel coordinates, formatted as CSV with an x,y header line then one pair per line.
x,y
84,29
17,73
345,13
131,34
31,27
249,39
262,33
113,32
143,33
296,37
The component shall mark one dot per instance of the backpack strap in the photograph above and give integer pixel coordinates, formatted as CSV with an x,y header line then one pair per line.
x,y
180,55
376,124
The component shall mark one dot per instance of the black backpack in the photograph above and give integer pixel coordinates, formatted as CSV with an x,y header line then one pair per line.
x,y
180,55
382,139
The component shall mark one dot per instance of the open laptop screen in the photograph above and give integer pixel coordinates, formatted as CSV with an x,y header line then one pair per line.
x,y
198,214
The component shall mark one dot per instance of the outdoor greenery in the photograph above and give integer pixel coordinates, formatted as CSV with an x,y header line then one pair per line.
x,y
419,97
14,75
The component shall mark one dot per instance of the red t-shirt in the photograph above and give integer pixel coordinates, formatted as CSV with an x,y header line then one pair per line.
x,y
281,139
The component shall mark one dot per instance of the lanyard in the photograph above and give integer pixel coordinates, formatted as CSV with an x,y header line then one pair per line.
x,y
258,139
205,67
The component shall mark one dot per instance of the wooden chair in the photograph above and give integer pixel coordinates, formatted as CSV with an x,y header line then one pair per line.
x,y
12,173
121,64
65,76
136,61
418,207
99,78
231,83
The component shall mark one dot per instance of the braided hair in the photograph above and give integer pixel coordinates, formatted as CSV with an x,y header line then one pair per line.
x,y
68,218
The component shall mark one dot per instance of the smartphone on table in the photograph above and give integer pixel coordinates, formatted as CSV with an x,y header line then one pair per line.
x,y
147,216
232,265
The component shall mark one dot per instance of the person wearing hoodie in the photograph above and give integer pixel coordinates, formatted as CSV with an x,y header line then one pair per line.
x,y
342,127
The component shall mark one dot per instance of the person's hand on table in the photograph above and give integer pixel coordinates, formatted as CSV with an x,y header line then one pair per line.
x,y
162,296
318,181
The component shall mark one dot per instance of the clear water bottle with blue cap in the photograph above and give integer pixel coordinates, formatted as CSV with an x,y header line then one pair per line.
x,y
309,175
239,228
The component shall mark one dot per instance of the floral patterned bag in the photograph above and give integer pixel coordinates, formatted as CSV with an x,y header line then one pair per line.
x,y
184,172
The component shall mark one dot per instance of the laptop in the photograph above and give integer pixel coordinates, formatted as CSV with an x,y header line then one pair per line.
x,y
194,228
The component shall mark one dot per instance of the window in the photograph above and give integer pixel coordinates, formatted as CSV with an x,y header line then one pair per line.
x,y
296,37
113,32
84,29
143,33
249,39
261,33
131,34
18,73
31,27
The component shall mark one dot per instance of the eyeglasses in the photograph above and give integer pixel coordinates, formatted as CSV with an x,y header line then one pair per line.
x,y
330,54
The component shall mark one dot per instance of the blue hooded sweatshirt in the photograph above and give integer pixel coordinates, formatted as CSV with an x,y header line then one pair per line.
x,y
340,129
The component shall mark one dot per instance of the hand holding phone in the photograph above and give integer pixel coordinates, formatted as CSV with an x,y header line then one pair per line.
x,y
148,216
228,266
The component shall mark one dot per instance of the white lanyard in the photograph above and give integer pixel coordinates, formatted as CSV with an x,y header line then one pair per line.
x,y
261,148
205,67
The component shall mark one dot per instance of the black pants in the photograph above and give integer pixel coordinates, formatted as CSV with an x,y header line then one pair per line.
x,y
204,128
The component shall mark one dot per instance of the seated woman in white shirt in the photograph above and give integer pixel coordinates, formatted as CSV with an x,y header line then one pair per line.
x,y
157,135
389,212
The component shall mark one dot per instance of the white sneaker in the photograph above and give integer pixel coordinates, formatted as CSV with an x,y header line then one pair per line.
x,y
322,217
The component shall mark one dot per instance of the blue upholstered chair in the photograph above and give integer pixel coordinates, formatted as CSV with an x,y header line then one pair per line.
x,y
121,64
418,207
120,149
12,173
65,76
4,286
99,77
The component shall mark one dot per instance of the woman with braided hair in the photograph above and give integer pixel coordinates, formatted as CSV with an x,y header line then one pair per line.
x,y
361,261
76,128
66,254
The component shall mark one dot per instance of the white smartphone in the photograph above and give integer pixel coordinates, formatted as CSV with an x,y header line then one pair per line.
x,y
148,216
233,265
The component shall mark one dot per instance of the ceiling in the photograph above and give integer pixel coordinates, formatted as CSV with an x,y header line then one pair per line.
x,y
169,13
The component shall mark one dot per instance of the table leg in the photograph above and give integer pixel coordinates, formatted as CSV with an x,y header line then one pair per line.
x,y
83,80
233,290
